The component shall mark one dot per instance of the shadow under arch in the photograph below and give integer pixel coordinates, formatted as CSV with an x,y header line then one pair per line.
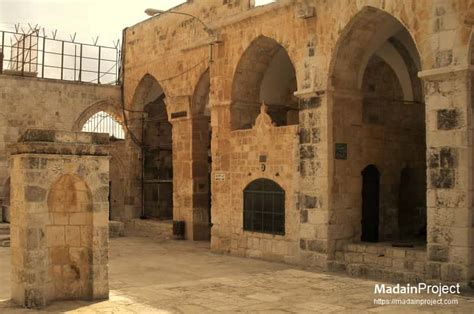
x,y
360,39
200,102
264,73
201,159
149,121
379,115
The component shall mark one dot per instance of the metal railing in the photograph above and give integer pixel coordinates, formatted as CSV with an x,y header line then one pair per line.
x,y
103,122
29,54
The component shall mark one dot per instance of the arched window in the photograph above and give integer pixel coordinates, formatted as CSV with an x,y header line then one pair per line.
x,y
263,2
272,82
102,122
264,207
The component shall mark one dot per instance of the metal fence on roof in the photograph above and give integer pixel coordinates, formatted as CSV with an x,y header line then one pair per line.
x,y
30,54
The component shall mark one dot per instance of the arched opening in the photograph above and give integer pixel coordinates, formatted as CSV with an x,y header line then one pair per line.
x,y
264,74
69,237
378,112
102,122
156,145
201,151
370,204
264,207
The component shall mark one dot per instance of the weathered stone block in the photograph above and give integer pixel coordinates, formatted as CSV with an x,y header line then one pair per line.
x,y
35,194
438,253
303,216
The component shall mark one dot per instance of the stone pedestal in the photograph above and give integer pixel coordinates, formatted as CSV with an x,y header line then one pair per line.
x,y
59,217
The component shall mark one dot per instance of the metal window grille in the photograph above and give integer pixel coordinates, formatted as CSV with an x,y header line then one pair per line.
x,y
264,207
102,122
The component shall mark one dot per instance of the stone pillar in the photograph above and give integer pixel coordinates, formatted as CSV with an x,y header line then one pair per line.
x,y
449,173
59,228
221,231
182,174
314,178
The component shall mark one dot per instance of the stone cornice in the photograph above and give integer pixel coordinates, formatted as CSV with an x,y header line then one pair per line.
x,y
444,72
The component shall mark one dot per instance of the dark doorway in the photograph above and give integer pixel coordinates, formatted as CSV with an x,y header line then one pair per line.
x,y
158,165
370,204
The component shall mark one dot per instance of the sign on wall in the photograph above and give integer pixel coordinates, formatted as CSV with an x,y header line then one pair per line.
x,y
340,151
219,177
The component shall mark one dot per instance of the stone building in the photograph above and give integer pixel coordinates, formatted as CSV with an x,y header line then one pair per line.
x,y
330,134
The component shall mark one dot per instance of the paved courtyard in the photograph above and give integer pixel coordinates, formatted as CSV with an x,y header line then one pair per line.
x,y
184,277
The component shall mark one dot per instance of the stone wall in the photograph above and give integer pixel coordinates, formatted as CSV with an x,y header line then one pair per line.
x,y
267,152
329,45
41,103
59,217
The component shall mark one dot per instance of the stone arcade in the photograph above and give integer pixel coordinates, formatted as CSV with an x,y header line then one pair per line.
x,y
331,134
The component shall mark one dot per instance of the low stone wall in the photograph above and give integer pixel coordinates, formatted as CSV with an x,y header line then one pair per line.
x,y
156,229
383,262
116,229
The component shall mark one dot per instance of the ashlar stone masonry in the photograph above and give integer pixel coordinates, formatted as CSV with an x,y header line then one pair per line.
x,y
59,217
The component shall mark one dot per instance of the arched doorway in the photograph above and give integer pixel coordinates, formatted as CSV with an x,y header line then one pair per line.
x,y
379,115
104,122
264,74
370,204
201,151
154,131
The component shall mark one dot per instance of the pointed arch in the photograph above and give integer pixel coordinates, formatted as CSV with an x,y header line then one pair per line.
x,y
200,104
147,91
378,112
368,33
264,73
107,106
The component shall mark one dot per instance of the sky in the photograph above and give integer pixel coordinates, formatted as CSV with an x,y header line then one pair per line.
x,y
87,18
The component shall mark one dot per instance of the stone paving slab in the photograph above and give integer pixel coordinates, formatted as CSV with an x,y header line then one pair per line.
x,y
184,277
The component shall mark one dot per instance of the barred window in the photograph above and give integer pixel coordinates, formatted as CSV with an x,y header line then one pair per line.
x,y
102,122
264,207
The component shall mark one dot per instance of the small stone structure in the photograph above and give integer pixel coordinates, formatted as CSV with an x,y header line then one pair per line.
x,y
59,217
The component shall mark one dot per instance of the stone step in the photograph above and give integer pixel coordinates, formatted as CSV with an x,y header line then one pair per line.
x,y
382,273
4,228
156,229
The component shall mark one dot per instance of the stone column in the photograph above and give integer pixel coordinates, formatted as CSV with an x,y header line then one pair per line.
x,y
450,173
182,174
314,178
221,189
59,229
